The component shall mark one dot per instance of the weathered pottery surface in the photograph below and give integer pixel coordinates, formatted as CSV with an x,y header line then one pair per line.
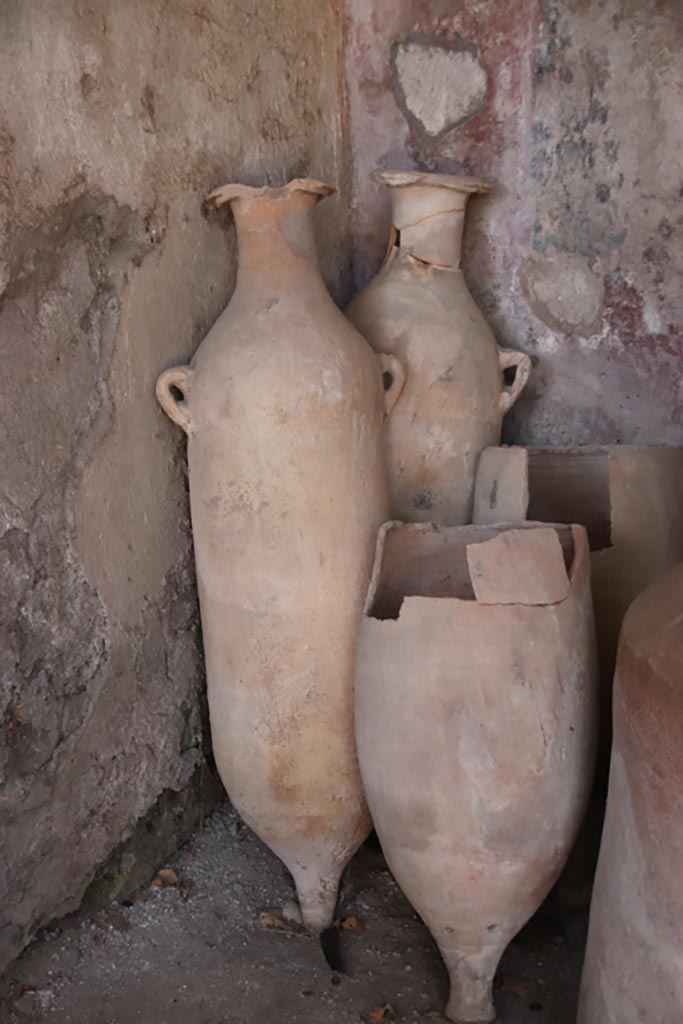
x,y
629,498
283,406
633,969
419,308
476,721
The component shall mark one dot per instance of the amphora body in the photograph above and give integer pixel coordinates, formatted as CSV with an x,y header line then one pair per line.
x,y
283,407
633,969
476,707
419,308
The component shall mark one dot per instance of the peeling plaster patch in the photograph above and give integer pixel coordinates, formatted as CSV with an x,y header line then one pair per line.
x,y
439,84
652,317
564,293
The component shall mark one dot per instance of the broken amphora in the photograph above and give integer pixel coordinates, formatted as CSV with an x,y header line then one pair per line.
x,y
476,707
283,406
419,308
633,970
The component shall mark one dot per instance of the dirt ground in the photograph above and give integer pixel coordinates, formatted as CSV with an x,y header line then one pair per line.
x,y
201,950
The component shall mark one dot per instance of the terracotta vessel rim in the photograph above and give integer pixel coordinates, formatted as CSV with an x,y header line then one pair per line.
x,y
228,193
576,568
454,182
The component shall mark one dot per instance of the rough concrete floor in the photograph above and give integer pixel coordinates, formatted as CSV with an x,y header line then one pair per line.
x,y
197,952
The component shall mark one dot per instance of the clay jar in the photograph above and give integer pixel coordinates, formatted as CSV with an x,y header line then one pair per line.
x,y
476,708
632,970
283,406
419,308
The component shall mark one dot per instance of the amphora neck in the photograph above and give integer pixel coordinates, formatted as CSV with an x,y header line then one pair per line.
x,y
275,232
428,213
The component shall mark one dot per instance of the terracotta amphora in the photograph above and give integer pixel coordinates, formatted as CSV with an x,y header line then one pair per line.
x,y
419,308
283,406
633,970
476,707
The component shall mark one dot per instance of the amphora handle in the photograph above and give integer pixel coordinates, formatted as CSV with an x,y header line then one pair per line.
x,y
176,377
393,378
520,360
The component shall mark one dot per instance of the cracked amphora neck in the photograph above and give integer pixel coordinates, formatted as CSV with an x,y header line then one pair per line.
x,y
428,212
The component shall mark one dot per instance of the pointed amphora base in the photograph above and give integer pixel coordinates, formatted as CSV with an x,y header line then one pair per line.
x,y
317,898
471,996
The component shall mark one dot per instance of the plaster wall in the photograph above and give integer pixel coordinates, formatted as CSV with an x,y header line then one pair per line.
x,y
115,121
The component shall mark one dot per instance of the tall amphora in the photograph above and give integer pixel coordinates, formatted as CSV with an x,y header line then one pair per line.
x,y
419,308
283,407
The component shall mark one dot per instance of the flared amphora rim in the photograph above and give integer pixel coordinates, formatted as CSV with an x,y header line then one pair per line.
x,y
454,182
433,563
228,193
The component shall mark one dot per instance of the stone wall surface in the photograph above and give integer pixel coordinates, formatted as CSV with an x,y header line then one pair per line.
x,y
115,121
575,111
